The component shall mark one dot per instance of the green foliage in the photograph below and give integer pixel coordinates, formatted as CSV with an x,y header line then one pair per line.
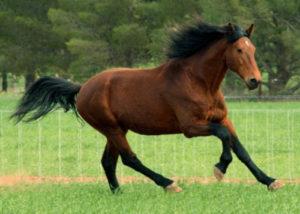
x,y
179,10
150,15
157,46
129,43
31,45
64,23
78,38
115,13
89,57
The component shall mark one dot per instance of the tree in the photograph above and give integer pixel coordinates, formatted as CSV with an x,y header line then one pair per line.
x,y
89,57
79,38
25,25
278,38
3,73
129,42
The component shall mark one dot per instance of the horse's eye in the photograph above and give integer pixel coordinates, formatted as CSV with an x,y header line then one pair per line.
x,y
239,50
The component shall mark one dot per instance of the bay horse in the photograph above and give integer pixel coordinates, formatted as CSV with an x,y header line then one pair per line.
x,y
180,96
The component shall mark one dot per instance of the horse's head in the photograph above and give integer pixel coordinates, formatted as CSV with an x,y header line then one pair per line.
x,y
240,56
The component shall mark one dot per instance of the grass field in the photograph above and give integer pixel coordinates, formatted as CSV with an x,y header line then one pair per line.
x,y
60,145
146,198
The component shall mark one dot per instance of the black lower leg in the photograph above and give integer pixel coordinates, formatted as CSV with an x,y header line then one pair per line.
x,y
225,158
109,163
223,134
136,164
243,155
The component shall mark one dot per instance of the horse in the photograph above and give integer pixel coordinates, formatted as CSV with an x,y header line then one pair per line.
x,y
181,96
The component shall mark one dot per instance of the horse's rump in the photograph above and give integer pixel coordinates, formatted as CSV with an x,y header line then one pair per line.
x,y
134,98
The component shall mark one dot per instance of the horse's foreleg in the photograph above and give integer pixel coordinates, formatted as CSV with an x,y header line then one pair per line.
x,y
130,159
109,162
226,157
225,160
223,133
204,128
226,133
243,156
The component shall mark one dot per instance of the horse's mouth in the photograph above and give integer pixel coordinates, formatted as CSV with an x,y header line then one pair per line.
x,y
251,87
252,84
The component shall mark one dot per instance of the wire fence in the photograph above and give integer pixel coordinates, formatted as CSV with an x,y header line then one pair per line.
x,y
59,145
264,98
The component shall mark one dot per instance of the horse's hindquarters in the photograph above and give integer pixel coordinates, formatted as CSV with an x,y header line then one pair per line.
x,y
128,100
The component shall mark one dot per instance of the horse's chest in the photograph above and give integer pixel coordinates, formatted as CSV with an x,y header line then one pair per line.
x,y
211,110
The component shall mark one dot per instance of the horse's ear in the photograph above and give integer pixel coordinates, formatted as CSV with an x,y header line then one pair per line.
x,y
230,28
249,31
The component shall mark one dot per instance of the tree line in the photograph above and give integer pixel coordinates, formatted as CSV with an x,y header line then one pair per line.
x,y
76,39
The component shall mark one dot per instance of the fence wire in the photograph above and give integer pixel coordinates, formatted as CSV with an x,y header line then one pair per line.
x,y
59,145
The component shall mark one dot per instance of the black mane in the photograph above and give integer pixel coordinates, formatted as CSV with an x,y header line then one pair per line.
x,y
192,39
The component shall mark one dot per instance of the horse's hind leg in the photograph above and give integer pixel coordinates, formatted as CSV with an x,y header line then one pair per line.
x,y
130,159
109,162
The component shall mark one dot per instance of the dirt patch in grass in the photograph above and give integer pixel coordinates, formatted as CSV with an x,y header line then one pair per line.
x,y
11,180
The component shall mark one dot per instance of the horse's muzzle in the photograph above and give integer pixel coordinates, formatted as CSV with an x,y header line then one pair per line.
x,y
253,83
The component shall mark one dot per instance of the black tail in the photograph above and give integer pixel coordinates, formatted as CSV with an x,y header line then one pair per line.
x,y
43,95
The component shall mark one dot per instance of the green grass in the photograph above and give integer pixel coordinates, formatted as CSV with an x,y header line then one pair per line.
x,y
60,145
146,198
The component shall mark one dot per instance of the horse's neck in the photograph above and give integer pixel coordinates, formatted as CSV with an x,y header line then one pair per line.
x,y
209,66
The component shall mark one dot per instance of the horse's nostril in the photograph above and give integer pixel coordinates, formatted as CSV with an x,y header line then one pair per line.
x,y
253,81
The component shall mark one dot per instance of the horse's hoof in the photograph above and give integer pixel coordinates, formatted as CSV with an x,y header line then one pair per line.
x,y
173,188
218,174
275,185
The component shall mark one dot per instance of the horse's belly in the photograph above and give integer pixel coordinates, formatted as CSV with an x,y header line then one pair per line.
x,y
154,130
149,123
